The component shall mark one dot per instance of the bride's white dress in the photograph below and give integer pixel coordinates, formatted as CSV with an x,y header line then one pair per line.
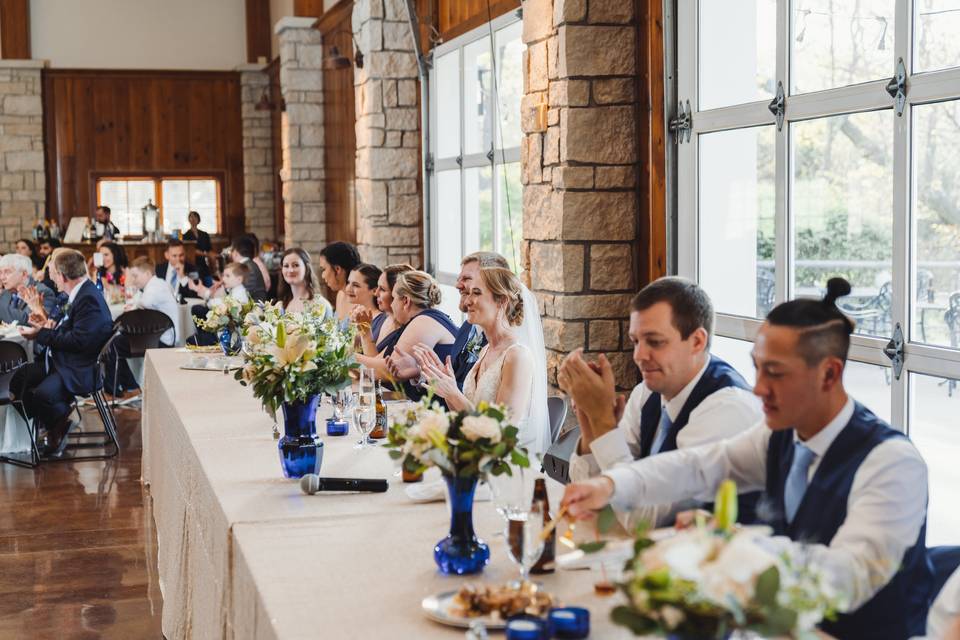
x,y
483,388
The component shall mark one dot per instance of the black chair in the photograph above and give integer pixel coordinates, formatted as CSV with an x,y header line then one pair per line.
x,y
12,357
557,407
142,328
556,461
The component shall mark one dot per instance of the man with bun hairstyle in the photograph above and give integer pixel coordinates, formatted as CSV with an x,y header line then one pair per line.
x,y
844,491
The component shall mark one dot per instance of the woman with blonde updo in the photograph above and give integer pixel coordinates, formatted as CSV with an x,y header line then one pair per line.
x,y
503,373
414,298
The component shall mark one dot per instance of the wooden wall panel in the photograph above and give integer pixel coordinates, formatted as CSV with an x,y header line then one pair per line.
x,y
15,29
141,122
339,133
259,29
276,134
455,17
308,8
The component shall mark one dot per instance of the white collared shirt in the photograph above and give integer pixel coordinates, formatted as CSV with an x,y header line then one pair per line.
x,y
886,506
156,295
945,607
75,291
723,414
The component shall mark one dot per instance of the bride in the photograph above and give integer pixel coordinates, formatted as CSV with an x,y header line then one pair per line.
x,y
505,372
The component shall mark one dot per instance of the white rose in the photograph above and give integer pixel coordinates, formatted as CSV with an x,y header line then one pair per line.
x,y
430,421
476,427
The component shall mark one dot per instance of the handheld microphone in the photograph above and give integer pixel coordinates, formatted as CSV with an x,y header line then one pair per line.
x,y
312,483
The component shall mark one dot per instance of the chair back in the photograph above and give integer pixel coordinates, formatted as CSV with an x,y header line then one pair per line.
x,y
556,461
557,407
143,328
104,359
12,357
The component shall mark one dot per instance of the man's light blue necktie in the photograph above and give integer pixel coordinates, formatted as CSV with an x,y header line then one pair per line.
x,y
797,479
662,430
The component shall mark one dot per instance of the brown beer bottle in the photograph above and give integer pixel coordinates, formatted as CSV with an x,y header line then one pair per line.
x,y
380,427
546,563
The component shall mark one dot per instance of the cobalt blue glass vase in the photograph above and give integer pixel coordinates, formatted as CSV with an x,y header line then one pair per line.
x,y
229,342
301,452
461,552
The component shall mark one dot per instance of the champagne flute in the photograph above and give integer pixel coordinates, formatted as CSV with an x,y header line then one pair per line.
x,y
523,539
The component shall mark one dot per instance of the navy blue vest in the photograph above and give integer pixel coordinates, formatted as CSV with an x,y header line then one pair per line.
x,y
718,375
899,610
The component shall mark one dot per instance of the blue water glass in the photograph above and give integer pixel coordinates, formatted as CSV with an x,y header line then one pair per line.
x,y
461,552
569,622
527,628
301,452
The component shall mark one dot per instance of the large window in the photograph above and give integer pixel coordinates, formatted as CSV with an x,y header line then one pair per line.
x,y
851,182
174,197
475,193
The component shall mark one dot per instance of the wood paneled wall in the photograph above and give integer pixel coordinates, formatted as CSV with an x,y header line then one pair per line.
x,y
339,132
141,122
258,29
15,29
455,17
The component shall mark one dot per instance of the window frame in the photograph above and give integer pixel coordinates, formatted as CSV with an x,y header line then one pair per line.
x,y
497,157
158,178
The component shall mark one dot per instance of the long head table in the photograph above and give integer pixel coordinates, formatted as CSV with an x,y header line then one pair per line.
x,y
242,553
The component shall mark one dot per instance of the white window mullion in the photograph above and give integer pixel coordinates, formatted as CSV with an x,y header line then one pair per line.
x,y
782,228
687,170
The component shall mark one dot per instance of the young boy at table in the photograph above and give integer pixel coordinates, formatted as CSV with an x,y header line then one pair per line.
x,y
230,285
156,295
845,491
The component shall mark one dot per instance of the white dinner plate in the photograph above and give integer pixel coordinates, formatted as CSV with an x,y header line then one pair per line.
x,y
437,608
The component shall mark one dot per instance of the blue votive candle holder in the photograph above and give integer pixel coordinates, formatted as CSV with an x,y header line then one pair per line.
x,y
570,622
337,427
527,628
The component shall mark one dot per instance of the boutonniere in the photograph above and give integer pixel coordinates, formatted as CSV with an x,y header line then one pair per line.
x,y
475,344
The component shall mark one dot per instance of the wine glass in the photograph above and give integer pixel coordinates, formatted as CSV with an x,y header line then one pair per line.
x,y
364,414
523,538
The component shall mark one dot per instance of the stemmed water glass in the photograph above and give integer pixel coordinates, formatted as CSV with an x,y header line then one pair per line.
x,y
364,414
513,500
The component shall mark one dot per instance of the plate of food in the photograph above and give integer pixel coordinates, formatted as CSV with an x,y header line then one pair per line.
x,y
203,349
491,604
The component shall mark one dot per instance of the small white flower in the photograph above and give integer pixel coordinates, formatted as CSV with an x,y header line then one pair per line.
x,y
476,427
430,421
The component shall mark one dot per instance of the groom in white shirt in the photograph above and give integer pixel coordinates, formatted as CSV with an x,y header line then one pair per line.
x,y
688,397
848,489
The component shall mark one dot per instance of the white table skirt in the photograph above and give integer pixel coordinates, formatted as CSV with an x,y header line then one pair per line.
x,y
13,430
228,525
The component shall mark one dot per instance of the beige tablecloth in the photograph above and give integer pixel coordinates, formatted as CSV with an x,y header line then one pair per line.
x,y
228,524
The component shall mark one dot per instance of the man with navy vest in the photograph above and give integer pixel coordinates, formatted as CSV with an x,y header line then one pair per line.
x,y
688,397
837,479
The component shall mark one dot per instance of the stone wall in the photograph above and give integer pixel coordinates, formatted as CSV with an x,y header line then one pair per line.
x,y
258,193
578,159
301,85
22,181
388,135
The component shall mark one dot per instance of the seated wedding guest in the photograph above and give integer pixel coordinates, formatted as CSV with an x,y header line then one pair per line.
x,y
45,250
156,295
27,248
231,284
361,293
114,262
336,261
242,251
19,286
943,623
297,285
845,491
264,272
503,373
102,227
688,397
175,271
194,233
382,331
48,385
470,340
415,297
46,247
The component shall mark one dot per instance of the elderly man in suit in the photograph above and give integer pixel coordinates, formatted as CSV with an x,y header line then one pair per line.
x,y
67,369
19,288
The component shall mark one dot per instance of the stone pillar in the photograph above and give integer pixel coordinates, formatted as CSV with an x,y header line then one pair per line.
x,y
23,187
388,135
579,167
257,153
301,85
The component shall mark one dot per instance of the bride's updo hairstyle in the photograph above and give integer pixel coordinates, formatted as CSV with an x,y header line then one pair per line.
x,y
420,287
505,287
824,329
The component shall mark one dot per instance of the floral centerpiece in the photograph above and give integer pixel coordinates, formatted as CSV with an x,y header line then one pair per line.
x,y
466,446
710,580
289,361
225,318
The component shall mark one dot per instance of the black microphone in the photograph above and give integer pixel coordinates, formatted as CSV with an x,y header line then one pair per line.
x,y
311,483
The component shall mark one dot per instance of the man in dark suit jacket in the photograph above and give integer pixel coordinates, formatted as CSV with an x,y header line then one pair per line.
x,y
176,270
242,250
67,369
